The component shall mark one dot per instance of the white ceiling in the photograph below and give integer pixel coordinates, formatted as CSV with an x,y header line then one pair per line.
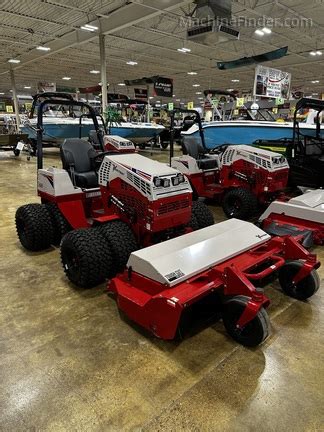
x,y
152,42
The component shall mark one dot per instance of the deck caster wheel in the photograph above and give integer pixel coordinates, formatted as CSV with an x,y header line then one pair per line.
x,y
86,257
255,332
305,288
240,203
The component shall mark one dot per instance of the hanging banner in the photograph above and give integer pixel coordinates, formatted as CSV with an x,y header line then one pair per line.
x,y
271,83
43,86
140,93
170,106
163,87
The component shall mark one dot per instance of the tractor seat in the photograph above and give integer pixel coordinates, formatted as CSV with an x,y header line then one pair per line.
x,y
193,148
77,158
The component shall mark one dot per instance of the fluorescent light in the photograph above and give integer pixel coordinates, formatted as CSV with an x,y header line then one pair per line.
x,y
27,87
158,101
151,97
178,100
13,61
1,93
230,90
89,27
198,93
319,53
93,71
43,48
192,73
201,98
121,84
66,78
266,30
315,81
100,83
313,53
184,50
195,85
235,80
131,63
259,32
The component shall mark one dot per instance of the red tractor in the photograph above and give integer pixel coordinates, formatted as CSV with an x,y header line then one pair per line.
x,y
241,177
102,206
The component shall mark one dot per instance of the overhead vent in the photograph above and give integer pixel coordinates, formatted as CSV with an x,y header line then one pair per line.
x,y
210,25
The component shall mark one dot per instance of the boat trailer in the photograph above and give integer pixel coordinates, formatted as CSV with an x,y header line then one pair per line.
x,y
230,258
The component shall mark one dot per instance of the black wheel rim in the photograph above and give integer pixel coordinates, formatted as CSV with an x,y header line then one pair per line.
x,y
234,205
72,264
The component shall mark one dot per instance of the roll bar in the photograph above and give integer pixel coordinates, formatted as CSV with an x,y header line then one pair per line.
x,y
197,120
69,102
48,95
304,103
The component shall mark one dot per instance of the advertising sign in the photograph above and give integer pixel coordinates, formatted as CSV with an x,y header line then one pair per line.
x,y
163,87
170,106
190,106
271,83
140,93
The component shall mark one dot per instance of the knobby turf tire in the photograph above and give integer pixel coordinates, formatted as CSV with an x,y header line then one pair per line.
x,y
60,224
86,257
201,216
240,203
34,227
121,240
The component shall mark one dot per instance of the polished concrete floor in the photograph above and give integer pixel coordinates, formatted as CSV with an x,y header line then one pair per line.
x,y
69,362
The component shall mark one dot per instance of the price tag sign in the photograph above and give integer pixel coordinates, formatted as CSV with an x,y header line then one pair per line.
x,y
170,106
239,102
280,101
9,109
275,110
236,112
190,105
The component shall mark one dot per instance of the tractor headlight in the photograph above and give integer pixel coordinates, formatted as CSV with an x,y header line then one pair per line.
x,y
181,178
166,183
158,182
175,181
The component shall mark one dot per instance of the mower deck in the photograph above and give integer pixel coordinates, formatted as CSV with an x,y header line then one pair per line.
x,y
164,279
304,214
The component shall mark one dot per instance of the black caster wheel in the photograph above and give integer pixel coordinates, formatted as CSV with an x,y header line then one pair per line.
x,y
305,288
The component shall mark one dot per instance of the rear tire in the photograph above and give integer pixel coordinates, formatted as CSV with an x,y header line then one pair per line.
x,y
34,227
255,331
86,257
60,224
121,241
305,288
201,216
240,203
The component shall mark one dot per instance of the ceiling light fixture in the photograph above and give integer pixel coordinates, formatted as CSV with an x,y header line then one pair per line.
x,y
313,53
27,87
66,78
266,30
230,90
94,71
132,63
13,61
259,32
122,84
235,80
43,48
319,53
89,27
195,85
1,93
315,82
184,50
192,73
198,93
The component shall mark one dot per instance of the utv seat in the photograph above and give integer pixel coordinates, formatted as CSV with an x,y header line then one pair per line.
x,y
193,148
77,158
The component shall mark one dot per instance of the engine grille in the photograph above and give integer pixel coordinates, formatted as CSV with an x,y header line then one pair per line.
x,y
172,206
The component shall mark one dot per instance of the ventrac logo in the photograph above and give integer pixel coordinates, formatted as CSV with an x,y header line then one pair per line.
x,y
115,168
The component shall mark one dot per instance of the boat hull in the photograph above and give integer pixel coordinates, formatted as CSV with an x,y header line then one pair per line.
x,y
220,133
57,133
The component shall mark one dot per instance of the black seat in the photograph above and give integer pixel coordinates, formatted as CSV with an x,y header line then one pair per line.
x,y
193,148
78,159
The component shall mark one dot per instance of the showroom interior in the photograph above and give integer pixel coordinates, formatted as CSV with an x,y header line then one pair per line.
x,y
162,215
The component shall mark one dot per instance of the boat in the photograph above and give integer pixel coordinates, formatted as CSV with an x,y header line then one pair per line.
x,y
57,128
61,124
218,133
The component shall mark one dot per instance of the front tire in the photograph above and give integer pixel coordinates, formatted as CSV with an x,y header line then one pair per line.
x,y
201,217
240,203
34,227
86,257
254,332
305,288
121,240
60,224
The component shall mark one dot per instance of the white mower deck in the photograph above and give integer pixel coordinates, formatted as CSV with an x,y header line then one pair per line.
x,y
308,207
179,259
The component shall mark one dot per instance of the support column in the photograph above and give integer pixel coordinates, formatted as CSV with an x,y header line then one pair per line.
x,y
103,69
14,96
148,104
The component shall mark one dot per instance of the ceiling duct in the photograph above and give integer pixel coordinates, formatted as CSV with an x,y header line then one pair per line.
x,y
211,23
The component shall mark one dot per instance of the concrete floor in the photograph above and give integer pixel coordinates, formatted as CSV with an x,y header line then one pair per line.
x,y
68,362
